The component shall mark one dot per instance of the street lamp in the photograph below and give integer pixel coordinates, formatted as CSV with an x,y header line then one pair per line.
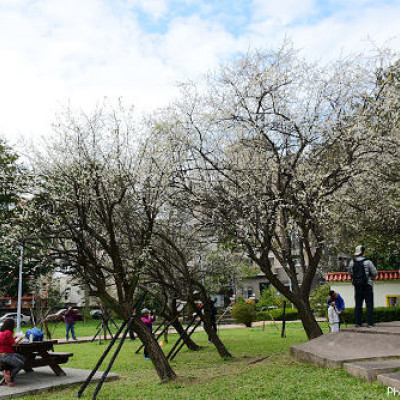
x,y
19,306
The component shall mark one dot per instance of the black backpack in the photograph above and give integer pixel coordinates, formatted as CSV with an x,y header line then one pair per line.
x,y
359,275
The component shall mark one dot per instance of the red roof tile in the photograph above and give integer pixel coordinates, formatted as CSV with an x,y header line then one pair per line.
x,y
344,276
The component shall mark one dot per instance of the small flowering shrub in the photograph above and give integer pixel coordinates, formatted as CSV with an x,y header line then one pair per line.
x,y
244,313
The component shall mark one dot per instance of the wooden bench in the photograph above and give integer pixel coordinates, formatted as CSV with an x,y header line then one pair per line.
x,y
51,359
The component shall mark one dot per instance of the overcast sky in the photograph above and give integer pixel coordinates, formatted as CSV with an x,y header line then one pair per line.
x,y
78,51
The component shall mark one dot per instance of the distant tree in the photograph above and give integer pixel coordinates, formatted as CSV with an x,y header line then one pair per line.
x,y
177,262
9,175
368,211
15,229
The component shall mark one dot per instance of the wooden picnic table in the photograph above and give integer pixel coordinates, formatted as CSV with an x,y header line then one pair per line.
x,y
39,354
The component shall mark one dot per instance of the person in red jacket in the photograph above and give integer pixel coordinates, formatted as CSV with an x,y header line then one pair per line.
x,y
7,353
70,319
147,318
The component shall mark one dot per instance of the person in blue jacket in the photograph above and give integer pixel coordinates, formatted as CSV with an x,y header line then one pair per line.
x,y
335,308
337,299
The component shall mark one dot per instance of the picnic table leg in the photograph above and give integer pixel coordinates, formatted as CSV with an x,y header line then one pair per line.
x,y
57,369
53,365
26,367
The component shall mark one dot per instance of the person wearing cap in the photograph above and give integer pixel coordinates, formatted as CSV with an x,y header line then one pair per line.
x,y
362,272
147,318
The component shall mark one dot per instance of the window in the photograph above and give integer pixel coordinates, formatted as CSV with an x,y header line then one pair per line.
x,y
393,300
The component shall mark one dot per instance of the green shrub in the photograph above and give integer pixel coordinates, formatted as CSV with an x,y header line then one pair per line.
x,y
277,315
381,314
244,313
270,297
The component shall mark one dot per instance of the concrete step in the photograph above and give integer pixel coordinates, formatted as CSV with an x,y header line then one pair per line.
x,y
377,329
334,349
392,323
392,381
369,370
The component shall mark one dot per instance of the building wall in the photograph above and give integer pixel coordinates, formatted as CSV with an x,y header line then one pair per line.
x,y
71,290
250,287
382,290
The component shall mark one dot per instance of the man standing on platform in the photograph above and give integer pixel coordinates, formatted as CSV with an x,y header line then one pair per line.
x,y
362,272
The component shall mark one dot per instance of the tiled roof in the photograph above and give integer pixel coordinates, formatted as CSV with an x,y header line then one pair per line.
x,y
344,276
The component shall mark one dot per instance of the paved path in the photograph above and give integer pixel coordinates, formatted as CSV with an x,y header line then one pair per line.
x,y
44,379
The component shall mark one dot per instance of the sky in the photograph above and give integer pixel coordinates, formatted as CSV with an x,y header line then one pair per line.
x,y
57,52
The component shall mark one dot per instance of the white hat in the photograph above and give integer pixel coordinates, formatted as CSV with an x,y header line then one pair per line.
x,y
359,250
145,311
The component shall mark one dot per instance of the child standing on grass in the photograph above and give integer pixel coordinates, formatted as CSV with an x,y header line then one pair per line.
x,y
147,319
7,353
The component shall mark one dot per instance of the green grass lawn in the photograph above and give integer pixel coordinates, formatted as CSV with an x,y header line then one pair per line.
x,y
261,369
82,329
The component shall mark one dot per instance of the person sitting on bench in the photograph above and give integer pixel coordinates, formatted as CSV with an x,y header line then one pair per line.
x,y
7,353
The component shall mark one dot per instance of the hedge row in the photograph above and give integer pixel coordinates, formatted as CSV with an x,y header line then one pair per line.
x,y
381,314
277,314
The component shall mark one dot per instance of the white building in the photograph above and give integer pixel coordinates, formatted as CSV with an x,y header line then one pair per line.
x,y
386,288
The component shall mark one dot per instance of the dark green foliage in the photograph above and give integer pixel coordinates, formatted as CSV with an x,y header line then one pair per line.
x,y
16,228
384,250
269,298
318,300
381,314
244,313
8,209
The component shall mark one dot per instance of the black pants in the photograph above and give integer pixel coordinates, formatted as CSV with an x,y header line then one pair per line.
x,y
361,293
15,362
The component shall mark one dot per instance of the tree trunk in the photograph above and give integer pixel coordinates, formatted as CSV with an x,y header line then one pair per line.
x,y
214,338
310,324
191,345
164,370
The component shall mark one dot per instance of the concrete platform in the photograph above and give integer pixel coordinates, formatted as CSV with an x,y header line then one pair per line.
x,y
369,370
334,349
392,323
43,379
